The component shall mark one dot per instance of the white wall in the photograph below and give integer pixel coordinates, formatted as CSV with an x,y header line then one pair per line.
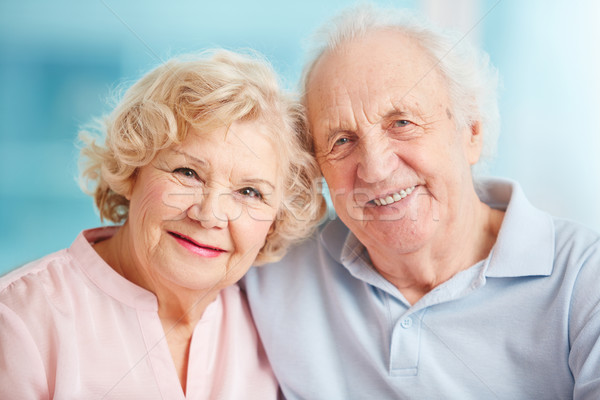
x,y
548,56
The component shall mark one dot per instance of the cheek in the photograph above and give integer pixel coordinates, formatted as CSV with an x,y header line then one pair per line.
x,y
148,210
249,237
152,201
261,229
344,195
263,219
173,204
339,177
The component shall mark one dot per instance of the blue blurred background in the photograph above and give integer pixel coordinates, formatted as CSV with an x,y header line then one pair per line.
x,y
60,60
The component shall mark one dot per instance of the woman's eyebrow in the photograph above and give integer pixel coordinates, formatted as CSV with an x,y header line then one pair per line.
x,y
183,153
250,181
259,181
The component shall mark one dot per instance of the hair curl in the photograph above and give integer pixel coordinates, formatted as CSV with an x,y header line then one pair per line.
x,y
472,80
214,89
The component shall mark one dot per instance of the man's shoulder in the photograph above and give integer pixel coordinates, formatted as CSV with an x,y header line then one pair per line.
x,y
567,229
298,255
329,238
575,241
303,260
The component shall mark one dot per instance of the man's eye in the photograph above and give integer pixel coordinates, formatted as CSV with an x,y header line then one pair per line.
x,y
341,141
250,192
401,123
187,172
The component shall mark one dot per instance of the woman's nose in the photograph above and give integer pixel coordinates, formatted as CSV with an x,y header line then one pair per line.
x,y
211,209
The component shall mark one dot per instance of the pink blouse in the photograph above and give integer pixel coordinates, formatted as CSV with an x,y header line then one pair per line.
x,y
73,328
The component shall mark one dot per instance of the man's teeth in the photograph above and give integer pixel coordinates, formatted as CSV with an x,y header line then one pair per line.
x,y
392,198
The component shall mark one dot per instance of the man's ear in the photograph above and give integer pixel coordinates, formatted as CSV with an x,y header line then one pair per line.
x,y
474,142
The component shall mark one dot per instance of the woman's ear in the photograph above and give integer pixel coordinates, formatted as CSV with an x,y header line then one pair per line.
x,y
272,228
131,184
127,193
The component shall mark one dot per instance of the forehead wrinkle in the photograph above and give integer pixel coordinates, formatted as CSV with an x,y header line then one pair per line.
x,y
368,103
377,104
349,104
186,155
408,105
334,120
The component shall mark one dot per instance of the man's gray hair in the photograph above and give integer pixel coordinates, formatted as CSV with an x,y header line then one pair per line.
x,y
472,80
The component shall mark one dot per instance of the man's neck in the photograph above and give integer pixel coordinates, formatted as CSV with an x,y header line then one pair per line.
x,y
464,242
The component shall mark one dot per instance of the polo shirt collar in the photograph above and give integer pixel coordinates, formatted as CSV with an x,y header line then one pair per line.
x,y
334,237
346,249
524,247
525,243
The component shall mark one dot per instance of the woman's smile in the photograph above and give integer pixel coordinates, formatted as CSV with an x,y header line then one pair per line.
x,y
195,247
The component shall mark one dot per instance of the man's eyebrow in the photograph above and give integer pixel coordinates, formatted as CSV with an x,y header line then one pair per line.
x,y
395,113
183,153
398,109
334,132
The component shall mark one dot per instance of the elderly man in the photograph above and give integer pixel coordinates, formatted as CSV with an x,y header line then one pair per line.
x,y
431,284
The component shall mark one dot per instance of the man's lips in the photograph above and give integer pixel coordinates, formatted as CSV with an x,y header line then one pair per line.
x,y
393,197
195,247
390,197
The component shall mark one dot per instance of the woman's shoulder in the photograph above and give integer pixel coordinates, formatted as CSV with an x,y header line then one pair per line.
x,y
39,270
50,274
56,268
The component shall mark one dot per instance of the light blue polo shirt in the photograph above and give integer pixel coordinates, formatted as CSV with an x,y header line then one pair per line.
x,y
522,324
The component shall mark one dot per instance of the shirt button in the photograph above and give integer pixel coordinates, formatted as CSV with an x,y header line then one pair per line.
x,y
406,323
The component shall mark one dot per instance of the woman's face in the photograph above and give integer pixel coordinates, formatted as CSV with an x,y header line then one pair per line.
x,y
201,210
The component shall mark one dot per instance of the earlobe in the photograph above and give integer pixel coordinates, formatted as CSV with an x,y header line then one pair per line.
x,y
127,194
130,185
272,228
475,142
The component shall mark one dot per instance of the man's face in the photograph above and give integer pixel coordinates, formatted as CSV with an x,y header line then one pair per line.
x,y
387,143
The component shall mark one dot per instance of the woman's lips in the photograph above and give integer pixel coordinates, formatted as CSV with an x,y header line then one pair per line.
x,y
195,247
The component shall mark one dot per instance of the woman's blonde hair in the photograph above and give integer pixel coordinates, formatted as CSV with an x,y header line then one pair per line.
x,y
214,89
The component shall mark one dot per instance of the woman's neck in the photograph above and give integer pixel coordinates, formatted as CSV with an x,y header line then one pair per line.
x,y
176,304
179,309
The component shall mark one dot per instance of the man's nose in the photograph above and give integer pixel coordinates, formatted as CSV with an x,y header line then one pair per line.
x,y
377,160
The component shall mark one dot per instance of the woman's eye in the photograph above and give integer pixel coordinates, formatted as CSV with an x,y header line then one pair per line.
x,y
250,192
187,172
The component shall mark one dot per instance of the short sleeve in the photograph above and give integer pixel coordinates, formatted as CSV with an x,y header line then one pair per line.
x,y
584,328
22,373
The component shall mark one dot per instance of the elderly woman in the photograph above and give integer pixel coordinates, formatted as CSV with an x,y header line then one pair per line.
x,y
203,165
